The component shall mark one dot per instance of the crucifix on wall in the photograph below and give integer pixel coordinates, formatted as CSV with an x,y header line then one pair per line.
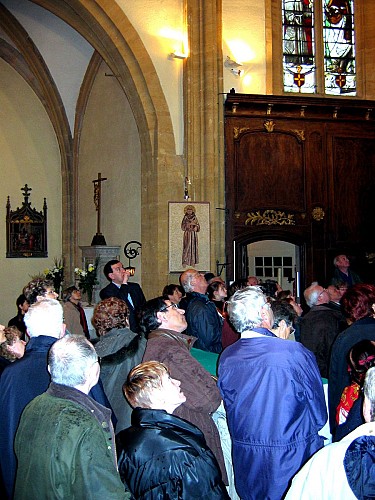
x,y
98,239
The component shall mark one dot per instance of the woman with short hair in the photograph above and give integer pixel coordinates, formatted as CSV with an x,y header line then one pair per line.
x,y
119,350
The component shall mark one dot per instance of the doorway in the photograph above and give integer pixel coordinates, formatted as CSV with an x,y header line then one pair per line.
x,y
276,260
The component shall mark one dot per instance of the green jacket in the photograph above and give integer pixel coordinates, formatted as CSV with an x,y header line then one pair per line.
x,y
65,449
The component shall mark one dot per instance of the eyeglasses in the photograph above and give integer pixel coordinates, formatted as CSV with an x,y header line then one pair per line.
x,y
175,306
292,330
324,290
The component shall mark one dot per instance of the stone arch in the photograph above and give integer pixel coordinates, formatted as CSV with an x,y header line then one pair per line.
x,y
106,27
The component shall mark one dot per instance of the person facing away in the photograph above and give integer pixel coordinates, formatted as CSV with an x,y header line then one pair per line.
x,y
121,288
202,318
320,326
65,441
119,350
163,455
274,399
344,469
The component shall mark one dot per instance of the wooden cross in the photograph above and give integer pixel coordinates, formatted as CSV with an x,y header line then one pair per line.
x,y
98,238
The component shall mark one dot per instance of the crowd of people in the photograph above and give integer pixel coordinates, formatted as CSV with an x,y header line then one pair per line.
x,y
207,390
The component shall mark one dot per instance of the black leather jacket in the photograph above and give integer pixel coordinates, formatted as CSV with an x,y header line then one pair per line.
x,y
167,457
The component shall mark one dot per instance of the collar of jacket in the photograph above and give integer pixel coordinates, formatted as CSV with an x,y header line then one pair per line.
x,y
146,417
201,296
42,343
181,338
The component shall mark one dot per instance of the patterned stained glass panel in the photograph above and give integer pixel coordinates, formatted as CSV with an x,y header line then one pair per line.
x,y
339,47
298,46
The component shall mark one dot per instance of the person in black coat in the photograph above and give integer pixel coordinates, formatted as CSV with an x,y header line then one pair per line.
x,y
119,287
164,456
358,305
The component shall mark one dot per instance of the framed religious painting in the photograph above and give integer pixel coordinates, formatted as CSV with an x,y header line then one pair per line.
x,y
189,236
26,229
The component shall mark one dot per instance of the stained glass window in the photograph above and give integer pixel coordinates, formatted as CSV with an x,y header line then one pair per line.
x,y
329,23
339,48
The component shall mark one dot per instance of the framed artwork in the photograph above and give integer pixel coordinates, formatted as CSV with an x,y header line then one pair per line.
x,y
26,229
189,236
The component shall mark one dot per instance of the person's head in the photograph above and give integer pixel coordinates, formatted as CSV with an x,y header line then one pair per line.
x,y
193,281
45,317
316,295
162,313
284,294
109,314
341,262
292,301
237,285
149,385
269,288
283,318
73,361
248,308
252,281
72,293
361,358
358,302
173,293
217,291
334,293
11,345
369,394
22,304
39,289
115,271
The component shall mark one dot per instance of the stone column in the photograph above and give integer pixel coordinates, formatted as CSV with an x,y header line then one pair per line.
x,y
203,102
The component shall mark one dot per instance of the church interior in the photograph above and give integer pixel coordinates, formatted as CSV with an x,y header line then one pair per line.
x,y
157,97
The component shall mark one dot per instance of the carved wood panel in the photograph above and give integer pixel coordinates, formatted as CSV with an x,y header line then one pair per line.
x,y
301,170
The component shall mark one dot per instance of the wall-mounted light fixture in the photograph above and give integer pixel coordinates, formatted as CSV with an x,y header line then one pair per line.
x,y
177,55
233,66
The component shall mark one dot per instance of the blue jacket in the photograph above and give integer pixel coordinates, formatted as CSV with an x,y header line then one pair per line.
x,y
275,405
204,323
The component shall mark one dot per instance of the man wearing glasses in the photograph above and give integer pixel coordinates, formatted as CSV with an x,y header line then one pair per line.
x,y
163,322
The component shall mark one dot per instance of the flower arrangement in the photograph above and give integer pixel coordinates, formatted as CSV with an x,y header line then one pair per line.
x,y
87,278
56,274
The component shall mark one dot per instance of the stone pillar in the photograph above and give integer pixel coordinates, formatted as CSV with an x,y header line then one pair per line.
x,y
203,101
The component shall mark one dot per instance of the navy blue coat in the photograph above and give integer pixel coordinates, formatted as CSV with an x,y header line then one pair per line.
x,y
204,323
274,399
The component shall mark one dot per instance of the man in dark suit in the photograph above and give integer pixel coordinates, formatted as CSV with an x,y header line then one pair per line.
x,y
131,293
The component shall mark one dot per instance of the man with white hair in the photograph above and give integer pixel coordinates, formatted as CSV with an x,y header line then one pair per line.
x,y
274,399
344,469
28,377
21,381
320,326
65,442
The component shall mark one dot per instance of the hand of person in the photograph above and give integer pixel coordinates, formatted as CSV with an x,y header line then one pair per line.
x,y
126,276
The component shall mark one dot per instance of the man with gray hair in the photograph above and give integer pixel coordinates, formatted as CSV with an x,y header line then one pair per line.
x,y
344,469
320,326
274,399
202,318
65,443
